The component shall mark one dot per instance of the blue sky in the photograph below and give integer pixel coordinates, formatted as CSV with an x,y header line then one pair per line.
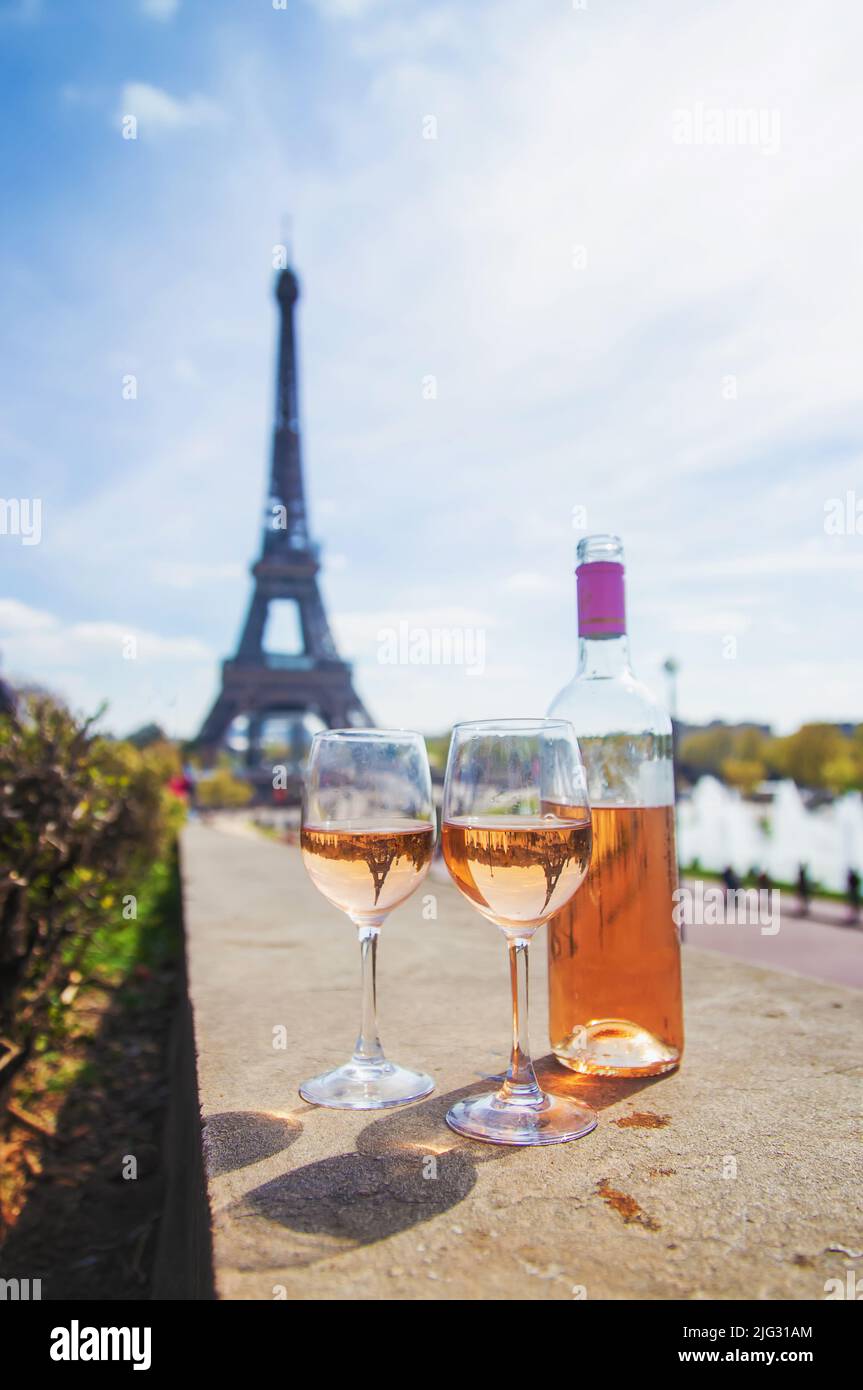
x,y
619,318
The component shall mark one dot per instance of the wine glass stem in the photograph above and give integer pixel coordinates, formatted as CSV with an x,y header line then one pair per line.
x,y
368,1045
520,1086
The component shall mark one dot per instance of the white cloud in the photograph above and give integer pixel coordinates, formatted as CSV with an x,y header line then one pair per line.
x,y
114,638
532,582
722,622
187,373
783,695
358,632
818,559
156,110
20,617
43,640
159,9
191,574
143,675
346,9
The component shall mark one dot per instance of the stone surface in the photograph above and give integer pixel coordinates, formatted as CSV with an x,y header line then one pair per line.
x,y
309,1203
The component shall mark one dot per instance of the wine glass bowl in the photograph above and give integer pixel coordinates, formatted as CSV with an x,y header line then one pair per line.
x,y
364,870
367,838
516,838
517,875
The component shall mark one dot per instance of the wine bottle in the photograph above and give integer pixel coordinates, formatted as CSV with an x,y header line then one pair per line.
x,y
614,951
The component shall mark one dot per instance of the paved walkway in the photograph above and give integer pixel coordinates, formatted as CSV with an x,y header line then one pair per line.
x,y
803,945
732,1178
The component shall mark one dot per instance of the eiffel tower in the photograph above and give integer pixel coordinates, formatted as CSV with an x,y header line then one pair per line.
x,y
259,684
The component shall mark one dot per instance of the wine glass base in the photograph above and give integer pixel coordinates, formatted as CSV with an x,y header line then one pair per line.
x,y
496,1121
366,1086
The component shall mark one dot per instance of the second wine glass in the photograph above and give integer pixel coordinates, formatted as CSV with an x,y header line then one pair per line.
x,y
517,839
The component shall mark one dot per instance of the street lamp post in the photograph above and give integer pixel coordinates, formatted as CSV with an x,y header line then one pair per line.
x,y
671,668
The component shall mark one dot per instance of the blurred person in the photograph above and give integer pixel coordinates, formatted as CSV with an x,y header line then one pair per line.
x,y
804,890
191,788
181,785
731,881
853,889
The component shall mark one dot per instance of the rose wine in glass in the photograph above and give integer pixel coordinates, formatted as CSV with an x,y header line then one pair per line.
x,y
367,837
516,838
615,1001
516,870
367,872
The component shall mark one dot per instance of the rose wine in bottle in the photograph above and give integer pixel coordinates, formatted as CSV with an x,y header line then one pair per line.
x,y
614,951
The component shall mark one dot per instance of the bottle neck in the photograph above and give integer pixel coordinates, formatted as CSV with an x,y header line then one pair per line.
x,y
603,658
603,646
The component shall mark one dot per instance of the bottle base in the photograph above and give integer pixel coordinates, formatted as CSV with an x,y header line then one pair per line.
x,y
616,1047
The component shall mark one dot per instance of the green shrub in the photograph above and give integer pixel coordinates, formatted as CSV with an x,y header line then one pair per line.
x,y
82,817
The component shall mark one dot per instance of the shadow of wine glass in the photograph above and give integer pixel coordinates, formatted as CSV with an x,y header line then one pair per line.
x,y
407,1168
234,1139
421,1133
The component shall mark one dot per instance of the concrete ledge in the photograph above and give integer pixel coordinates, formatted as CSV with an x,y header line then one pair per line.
x,y
315,1204
184,1264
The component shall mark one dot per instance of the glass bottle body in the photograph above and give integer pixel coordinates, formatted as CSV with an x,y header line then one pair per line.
x,y
615,1006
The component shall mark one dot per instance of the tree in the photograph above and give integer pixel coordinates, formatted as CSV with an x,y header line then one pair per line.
x,y
805,755
222,790
707,750
844,772
147,734
743,773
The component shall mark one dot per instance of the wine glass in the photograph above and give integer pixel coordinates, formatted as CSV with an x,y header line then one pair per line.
x,y
516,838
367,836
